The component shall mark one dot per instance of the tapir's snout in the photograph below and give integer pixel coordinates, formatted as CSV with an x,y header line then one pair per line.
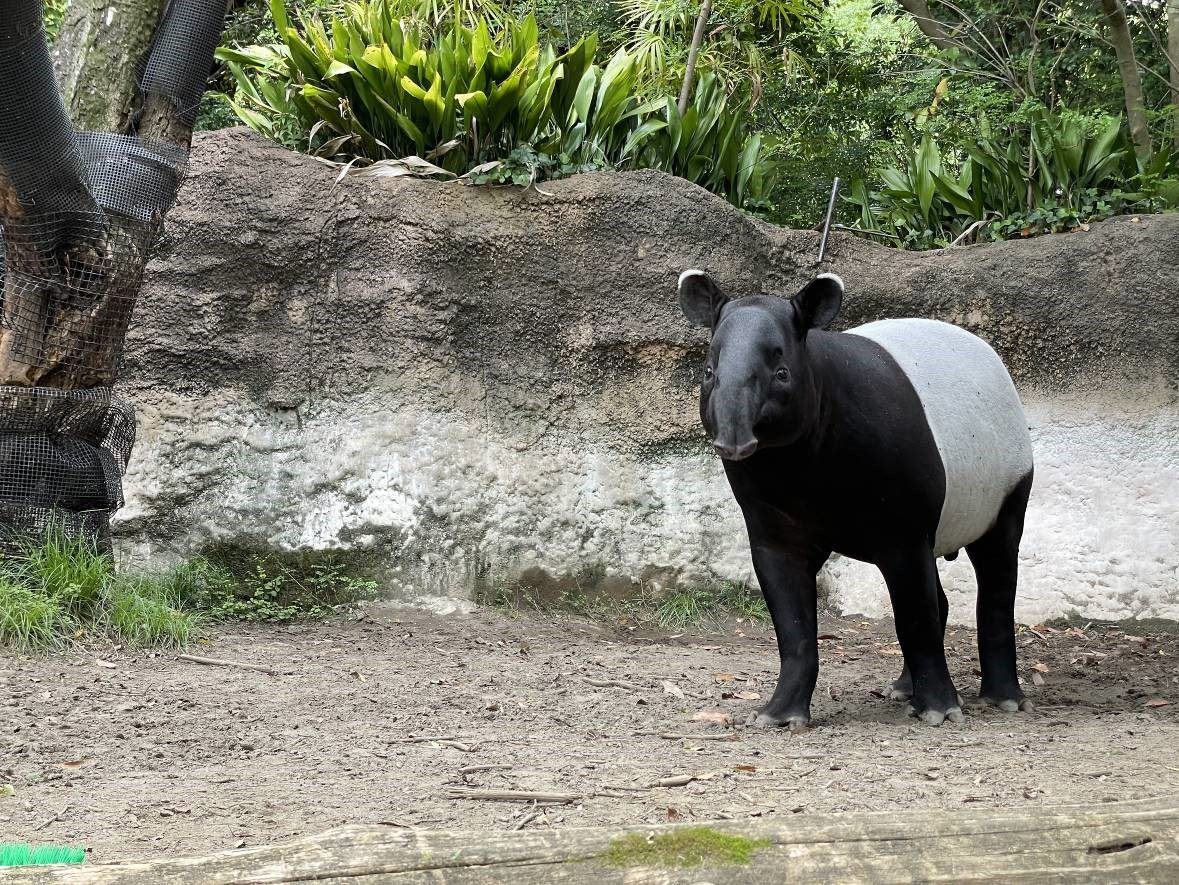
x,y
735,452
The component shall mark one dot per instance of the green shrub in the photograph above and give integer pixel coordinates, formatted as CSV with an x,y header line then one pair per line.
x,y
1059,172
378,86
270,586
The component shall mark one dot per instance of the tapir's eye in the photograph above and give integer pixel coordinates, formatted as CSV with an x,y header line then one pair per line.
x,y
783,374
708,373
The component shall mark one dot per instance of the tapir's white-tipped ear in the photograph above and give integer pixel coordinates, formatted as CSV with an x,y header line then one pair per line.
x,y
700,299
819,301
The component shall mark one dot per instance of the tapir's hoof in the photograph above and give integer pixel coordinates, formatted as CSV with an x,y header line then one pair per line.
x,y
899,694
1011,705
937,717
795,723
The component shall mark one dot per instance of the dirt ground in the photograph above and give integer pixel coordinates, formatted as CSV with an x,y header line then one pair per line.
x,y
379,717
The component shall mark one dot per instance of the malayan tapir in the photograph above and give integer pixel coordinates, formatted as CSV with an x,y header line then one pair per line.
x,y
893,443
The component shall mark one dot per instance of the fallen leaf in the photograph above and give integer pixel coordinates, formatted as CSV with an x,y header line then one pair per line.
x,y
674,814
1156,702
1037,679
1040,667
744,767
73,763
356,674
678,780
747,695
106,664
723,677
823,636
672,689
713,717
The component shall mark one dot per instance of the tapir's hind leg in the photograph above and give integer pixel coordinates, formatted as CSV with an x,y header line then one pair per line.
x,y
902,689
996,565
911,576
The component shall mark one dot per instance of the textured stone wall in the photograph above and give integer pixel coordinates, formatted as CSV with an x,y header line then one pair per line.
x,y
480,385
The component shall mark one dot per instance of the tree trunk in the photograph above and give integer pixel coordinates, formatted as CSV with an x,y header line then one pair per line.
x,y
74,267
693,51
98,57
929,25
1173,63
1115,17
54,234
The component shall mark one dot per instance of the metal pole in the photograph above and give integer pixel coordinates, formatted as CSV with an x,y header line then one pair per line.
x,y
827,220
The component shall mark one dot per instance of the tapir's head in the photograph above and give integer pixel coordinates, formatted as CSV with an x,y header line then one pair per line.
x,y
758,389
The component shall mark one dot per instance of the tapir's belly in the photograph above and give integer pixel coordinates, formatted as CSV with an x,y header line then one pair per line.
x,y
974,414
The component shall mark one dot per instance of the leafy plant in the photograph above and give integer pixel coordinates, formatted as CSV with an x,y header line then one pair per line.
x,y
273,588
54,13
525,166
740,51
376,86
1058,173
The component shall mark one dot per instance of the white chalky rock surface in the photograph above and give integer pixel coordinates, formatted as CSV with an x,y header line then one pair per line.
x,y
460,509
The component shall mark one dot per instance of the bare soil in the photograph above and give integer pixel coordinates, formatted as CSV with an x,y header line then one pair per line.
x,y
140,755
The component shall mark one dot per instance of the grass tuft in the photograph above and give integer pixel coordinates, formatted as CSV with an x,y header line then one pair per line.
x,y
30,621
64,588
689,847
142,612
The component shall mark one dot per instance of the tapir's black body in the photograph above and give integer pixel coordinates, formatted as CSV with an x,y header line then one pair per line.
x,y
843,459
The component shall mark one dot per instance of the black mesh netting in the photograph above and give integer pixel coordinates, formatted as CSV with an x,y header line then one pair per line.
x,y
81,212
189,30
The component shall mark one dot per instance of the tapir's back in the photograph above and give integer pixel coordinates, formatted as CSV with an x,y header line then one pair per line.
x,y
974,414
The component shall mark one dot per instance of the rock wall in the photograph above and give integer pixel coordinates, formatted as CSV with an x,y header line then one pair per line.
x,y
482,385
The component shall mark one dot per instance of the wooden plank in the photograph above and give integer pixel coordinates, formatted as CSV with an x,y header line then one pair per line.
x,y
1126,842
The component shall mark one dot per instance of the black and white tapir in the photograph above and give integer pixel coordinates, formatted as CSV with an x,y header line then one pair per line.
x,y
893,443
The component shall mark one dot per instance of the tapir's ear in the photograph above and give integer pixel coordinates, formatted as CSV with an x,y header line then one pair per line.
x,y
700,299
819,301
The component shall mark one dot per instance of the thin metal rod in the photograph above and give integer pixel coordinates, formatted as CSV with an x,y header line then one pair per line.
x,y
827,220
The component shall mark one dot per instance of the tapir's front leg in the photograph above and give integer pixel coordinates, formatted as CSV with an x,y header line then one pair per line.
x,y
787,579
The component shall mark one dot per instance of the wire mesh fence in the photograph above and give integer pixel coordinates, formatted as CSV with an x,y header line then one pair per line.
x,y
79,213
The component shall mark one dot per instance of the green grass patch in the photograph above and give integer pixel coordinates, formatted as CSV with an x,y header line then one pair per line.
x,y
20,854
64,589
690,847
675,609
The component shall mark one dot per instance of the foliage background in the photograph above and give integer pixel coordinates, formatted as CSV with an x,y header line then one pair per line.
x,y
853,88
